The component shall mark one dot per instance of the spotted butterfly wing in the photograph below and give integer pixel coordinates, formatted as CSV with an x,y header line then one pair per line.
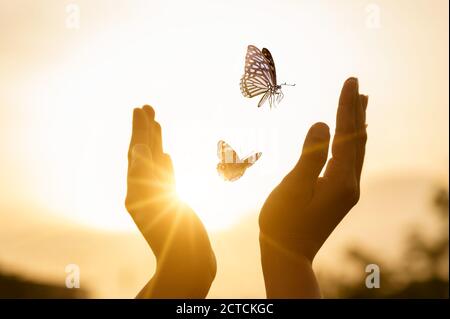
x,y
257,77
260,76
230,166
269,58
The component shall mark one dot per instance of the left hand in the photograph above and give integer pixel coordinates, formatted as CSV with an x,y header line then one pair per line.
x,y
186,264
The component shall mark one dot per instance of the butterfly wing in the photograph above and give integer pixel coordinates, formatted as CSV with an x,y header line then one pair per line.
x,y
231,172
269,58
258,77
226,153
250,160
231,167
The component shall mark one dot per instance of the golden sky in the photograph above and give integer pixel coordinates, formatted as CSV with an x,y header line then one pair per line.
x,y
67,95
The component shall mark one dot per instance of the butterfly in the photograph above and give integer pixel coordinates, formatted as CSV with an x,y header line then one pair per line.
x,y
260,77
231,167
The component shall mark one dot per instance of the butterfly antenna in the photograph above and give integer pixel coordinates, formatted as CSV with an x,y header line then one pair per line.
x,y
287,84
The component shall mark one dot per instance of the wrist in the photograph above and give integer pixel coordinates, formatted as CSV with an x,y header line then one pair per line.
x,y
288,270
288,246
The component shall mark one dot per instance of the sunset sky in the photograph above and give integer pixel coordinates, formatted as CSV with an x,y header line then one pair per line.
x,y
67,95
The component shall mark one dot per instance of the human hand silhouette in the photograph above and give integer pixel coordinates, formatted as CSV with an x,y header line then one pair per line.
x,y
186,265
303,210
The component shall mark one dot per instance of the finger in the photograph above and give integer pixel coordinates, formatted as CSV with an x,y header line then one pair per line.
x,y
361,134
345,117
150,112
314,154
156,142
344,147
361,111
167,167
167,163
139,134
155,138
163,169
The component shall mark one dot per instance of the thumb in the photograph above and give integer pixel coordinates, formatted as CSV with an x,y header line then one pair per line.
x,y
314,154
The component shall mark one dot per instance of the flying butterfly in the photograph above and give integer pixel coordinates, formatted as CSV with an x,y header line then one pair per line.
x,y
260,77
231,167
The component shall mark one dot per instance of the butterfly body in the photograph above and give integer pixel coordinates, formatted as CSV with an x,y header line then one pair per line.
x,y
260,76
231,167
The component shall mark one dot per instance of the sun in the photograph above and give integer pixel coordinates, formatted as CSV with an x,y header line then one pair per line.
x,y
206,195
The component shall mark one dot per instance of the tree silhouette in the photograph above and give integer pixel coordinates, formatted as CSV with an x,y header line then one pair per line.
x,y
423,272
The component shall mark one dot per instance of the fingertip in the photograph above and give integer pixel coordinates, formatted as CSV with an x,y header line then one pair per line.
x,y
156,138
349,92
320,130
362,98
347,109
156,129
351,82
314,153
149,111
135,113
365,102
317,140
167,160
140,121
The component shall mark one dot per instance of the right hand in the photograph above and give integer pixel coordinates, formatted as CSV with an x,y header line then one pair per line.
x,y
303,210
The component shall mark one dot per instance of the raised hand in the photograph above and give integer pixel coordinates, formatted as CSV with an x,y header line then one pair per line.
x,y
303,210
186,264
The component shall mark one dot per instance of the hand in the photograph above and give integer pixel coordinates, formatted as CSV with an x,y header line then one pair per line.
x,y
186,264
303,210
